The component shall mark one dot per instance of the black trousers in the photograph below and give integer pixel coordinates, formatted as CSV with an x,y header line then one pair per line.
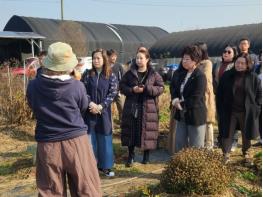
x,y
236,119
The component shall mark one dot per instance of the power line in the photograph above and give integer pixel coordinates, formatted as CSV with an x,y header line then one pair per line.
x,y
174,1
180,4
36,1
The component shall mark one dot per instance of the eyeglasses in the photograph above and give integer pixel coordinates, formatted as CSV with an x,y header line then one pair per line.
x,y
226,51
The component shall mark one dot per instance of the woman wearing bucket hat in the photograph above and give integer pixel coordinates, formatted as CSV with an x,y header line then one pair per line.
x,y
63,149
101,85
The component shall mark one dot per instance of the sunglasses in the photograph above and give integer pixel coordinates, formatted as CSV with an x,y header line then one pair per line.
x,y
226,51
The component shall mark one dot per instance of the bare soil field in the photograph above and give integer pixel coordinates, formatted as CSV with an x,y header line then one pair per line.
x,y
17,172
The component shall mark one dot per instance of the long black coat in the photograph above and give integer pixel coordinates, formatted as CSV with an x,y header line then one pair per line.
x,y
224,101
154,87
194,97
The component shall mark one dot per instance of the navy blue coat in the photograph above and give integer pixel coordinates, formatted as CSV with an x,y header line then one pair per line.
x,y
58,107
101,91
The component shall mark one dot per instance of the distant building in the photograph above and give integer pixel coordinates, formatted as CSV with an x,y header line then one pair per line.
x,y
216,39
85,37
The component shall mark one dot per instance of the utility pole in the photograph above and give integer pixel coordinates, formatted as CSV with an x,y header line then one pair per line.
x,y
61,3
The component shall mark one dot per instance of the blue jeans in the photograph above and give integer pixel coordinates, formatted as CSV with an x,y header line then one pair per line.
x,y
102,148
189,136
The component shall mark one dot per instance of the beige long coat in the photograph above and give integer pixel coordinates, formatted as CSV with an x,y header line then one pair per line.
x,y
206,67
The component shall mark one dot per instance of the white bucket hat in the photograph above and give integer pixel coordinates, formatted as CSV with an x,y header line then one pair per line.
x,y
60,57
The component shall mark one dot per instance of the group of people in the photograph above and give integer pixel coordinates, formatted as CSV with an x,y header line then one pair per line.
x,y
73,117
230,92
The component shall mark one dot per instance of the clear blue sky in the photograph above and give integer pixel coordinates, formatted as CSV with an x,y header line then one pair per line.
x,y
171,15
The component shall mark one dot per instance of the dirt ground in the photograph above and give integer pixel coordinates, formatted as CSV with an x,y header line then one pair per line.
x,y
17,172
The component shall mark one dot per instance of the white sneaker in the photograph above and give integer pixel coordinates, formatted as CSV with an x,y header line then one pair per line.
x,y
108,173
226,158
248,160
209,147
234,146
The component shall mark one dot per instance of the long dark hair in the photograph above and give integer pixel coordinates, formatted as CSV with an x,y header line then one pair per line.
x,y
248,60
106,69
203,47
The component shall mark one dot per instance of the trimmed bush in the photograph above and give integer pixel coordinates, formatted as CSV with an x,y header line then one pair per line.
x,y
196,171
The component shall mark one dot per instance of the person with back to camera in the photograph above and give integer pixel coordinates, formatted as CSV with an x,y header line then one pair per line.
x,y
34,71
139,128
189,101
117,69
63,150
41,56
239,104
206,67
101,85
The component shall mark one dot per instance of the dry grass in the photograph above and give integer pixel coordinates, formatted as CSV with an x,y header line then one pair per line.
x,y
16,162
16,167
164,110
13,108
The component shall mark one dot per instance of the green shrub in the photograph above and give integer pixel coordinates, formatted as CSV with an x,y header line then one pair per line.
x,y
250,176
250,192
258,164
196,171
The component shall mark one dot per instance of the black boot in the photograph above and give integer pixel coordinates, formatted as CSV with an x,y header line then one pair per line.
x,y
130,160
146,155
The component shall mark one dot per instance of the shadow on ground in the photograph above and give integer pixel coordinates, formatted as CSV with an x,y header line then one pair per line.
x,y
12,168
20,133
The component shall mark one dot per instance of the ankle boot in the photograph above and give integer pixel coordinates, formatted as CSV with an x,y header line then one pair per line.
x,y
146,156
130,160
